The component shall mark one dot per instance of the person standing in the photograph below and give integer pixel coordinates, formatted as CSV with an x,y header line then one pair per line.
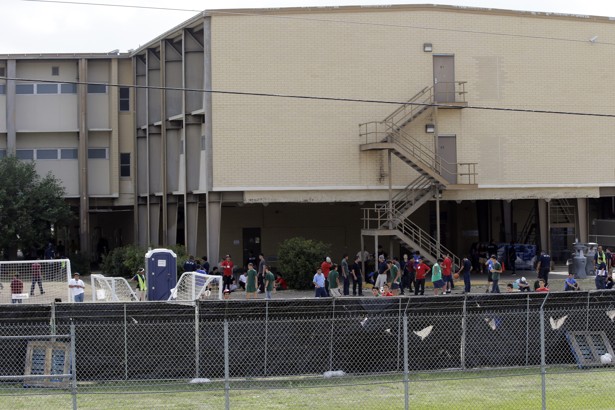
x,y
77,287
190,264
395,277
141,286
436,277
447,273
326,268
496,270
16,289
251,282
319,284
544,267
407,275
599,257
37,277
261,273
227,272
345,274
334,282
420,270
601,274
205,264
269,282
465,269
357,277
383,270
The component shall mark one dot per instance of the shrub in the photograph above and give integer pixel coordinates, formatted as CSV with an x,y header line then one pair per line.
x,y
124,261
298,259
80,262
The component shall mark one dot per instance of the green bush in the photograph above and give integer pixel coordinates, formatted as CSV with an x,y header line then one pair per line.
x,y
80,262
124,261
298,259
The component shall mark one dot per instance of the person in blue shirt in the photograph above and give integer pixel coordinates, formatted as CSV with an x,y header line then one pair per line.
x,y
571,283
319,284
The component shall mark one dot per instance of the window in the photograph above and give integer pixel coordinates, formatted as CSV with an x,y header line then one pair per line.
x,y
97,88
97,153
68,153
55,70
25,154
46,88
46,154
68,88
2,153
124,99
125,164
2,89
2,71
24,89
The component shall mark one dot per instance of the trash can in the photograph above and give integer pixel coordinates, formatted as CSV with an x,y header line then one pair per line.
x,y
161,273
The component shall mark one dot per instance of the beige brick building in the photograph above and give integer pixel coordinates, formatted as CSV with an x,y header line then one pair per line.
x,y
486,124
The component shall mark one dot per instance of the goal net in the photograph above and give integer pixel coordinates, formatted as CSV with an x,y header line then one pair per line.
x,y
197,286
35,281
109,289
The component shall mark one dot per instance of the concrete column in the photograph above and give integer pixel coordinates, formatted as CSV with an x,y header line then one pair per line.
x,y
171,232
214,223
154,224
143,227
11,118
84,203
582,223
191,226
543,222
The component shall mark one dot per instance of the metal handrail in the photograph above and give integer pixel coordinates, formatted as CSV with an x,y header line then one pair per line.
x,y
406,227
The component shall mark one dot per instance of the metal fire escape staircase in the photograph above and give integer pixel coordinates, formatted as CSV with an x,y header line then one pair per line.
x,y
391,218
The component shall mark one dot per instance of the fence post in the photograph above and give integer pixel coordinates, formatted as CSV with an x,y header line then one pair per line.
x,y
543,362
527,330
406,381
73,366
197,335
125,344
331,337
587,313
266,332
464,331
227,387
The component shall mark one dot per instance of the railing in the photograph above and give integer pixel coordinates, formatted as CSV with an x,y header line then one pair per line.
x,y
562,211
418,153
377,218
407,197
450,92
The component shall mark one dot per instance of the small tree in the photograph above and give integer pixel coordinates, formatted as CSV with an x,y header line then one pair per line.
x,y
298,259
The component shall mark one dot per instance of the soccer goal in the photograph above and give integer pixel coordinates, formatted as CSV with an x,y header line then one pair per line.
x,y
34,281
110,289
197,286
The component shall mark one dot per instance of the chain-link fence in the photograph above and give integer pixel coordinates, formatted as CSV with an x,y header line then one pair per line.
x,y
487,351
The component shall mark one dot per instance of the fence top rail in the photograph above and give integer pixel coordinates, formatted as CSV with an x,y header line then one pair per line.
x,y
34,337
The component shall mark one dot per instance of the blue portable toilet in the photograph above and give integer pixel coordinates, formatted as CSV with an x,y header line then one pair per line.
x,y
161,273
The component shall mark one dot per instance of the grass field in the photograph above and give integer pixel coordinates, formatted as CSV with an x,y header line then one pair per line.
x,y
501,389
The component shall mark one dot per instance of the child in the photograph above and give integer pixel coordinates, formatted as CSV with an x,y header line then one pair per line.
x,y
436,277
386,291
571,283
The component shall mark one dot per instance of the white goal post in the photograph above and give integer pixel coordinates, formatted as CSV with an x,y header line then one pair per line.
x,y
35,281
197,286
111,289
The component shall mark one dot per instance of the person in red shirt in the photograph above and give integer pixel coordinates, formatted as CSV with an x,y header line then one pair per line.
x,y
16,288
541,286
326,267
447,273
280,283
421,271
227,272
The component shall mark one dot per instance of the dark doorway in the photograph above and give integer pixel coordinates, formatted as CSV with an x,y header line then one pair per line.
x,y
251,245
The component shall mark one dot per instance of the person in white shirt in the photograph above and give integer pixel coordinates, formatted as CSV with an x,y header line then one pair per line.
x,y
242,281
77,287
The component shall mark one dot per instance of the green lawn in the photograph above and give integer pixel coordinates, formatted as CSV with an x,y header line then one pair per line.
x,y
495,389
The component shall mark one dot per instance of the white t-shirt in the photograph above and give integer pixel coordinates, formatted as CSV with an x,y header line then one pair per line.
x,y
243,278
77,290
